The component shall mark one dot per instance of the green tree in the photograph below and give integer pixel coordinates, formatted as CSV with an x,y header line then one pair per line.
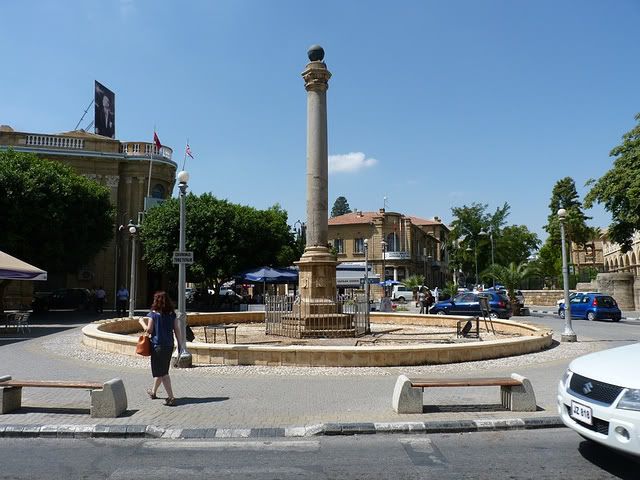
x,y
548,263
225,238
619,189
340,207
565,195
515,244
468,237
51,216
511,277
414,282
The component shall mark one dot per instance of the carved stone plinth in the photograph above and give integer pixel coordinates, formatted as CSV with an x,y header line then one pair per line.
x,y
317,314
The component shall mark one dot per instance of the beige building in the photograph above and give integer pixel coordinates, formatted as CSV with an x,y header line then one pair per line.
x,y
587,256
414,246
124,168
615,261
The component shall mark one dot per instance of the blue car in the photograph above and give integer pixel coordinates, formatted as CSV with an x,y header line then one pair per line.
x,y
468,303
592,306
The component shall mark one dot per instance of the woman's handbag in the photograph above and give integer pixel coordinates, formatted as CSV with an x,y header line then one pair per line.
x,y
143,347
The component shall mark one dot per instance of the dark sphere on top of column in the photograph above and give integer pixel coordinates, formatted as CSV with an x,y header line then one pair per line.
x,y
315,53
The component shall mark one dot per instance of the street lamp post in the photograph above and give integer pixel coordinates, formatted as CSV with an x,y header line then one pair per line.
x,y
366,285
184,357
383,244
475,256
133,231
493,261
568,335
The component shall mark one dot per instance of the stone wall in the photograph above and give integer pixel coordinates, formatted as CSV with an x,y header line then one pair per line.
x,y
542,297
620,286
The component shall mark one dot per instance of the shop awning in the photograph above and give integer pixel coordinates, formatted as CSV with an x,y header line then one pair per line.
x,y
12,268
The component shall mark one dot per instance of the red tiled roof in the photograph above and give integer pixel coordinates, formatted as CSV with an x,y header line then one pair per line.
x,y
355,218
423,221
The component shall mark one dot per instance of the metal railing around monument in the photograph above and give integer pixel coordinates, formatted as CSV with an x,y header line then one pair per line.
x,y
341,317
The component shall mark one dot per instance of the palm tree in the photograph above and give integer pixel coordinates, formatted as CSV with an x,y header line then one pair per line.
x,y
510,277
414,282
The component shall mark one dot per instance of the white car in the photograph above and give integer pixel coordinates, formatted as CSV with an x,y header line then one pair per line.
x,y
229,293
599,397
401,293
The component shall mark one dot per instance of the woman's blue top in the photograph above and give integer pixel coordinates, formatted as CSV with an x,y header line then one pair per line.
x,y
162,328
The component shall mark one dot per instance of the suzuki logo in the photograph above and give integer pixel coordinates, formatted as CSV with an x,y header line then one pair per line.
x,y
587,388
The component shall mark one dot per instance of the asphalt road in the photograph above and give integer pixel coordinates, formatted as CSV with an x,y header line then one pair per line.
x,y
540,454
624,331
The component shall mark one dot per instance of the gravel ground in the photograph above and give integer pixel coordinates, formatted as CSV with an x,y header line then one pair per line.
x,y
70,345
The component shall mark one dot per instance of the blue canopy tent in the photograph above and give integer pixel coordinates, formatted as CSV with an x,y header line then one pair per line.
x,y
270,275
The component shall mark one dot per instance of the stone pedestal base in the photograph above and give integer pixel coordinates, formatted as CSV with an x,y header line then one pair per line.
x,y
317,314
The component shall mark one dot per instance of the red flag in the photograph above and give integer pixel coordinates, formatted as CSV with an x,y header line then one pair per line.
x,y
156,140
188,151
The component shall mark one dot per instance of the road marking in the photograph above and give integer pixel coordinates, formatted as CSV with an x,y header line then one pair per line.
x,y
296,446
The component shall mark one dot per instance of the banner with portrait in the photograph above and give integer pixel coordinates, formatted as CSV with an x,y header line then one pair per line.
x,y
105,108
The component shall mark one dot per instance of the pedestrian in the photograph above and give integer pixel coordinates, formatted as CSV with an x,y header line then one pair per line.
x,y
429,300
421,300
122,296
161,324
100,296
436,295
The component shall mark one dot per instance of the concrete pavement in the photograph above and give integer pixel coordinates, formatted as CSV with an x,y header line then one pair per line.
x,y
220,401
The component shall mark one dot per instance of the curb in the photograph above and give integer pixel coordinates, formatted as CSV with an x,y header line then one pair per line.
x,y
329,429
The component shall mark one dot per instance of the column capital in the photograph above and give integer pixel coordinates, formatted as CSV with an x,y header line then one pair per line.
x,y
316,77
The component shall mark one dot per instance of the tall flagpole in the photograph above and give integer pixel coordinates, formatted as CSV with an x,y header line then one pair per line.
x,y
153,144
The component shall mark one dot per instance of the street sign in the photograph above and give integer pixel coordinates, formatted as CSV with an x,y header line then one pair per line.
x,y
183,257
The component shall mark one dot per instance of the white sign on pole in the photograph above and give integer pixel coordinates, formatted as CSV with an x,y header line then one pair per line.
x,y
183,257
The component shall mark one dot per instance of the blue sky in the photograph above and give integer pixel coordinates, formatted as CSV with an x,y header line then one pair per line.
x,y
431,104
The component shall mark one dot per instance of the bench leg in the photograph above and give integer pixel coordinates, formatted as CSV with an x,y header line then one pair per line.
x,y
406,399
519,398
109,402
10,399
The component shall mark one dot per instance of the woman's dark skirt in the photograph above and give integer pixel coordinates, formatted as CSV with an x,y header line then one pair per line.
x,y
160,360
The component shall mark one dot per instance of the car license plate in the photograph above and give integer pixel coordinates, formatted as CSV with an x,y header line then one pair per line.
x,y
581,412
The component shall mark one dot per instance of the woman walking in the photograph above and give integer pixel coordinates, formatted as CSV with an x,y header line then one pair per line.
x,y
161,323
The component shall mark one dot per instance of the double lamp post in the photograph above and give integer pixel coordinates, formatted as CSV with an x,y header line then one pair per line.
x,y
184,358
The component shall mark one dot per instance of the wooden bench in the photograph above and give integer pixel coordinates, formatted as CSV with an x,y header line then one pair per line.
x,y
108,399
516,392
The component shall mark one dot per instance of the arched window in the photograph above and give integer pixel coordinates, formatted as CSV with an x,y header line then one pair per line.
x,y
392,242
158,191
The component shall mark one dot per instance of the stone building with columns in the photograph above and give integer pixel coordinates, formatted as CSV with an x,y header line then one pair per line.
x,y
622,271
124,168
414,246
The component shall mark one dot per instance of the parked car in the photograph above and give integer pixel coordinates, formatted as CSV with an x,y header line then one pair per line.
x,y
571,295
468,303
599,397
592,306
401,294
63,298
518,294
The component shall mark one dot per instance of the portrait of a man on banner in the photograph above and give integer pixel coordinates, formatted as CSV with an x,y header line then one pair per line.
x,y
105,108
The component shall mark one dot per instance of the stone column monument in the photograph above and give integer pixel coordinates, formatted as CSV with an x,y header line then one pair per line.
x,y
317,313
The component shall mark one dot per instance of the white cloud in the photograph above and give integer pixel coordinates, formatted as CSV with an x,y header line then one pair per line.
x,y
350,162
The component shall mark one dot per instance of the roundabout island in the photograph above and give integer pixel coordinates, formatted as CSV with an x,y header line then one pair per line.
x,y
396,339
